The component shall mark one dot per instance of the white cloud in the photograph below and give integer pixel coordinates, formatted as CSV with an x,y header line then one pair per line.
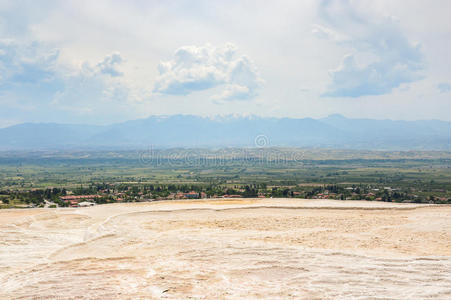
x,y
26,63
397,60
196,68
93,88
278,36
233,92
109,65
32,76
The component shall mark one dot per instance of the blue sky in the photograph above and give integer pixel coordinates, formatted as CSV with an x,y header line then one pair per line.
x,y
102,62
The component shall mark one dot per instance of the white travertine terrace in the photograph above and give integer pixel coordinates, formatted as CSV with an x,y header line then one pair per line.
x,y
215,249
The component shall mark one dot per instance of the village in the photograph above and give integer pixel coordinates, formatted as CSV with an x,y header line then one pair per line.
x,y
90,200
118,193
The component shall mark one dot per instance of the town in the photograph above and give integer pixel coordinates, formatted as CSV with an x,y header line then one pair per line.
x,y
118,193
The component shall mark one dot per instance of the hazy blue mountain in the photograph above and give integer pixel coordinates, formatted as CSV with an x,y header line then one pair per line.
x,y
334,131
387,134
45,135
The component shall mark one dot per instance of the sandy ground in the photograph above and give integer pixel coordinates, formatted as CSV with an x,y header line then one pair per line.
x,y
227,249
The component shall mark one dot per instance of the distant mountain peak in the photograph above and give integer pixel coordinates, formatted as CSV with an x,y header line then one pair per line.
x,y
335,116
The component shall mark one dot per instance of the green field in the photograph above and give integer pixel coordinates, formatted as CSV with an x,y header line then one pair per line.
x,y
423,174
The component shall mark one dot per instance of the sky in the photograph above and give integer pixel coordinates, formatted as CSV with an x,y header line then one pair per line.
x,y
102,62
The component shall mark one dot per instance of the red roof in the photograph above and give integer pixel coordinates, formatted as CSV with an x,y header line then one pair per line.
x,y
79,197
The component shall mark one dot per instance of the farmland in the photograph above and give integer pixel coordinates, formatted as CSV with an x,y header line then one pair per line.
x,y
412,176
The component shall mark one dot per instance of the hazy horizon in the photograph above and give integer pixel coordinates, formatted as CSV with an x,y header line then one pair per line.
x,y
219,117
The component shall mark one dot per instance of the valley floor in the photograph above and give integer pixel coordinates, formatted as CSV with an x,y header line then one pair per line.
x,y
252,248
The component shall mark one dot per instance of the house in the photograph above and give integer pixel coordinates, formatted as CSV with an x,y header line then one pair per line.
x,y
79,198
179,196
86,204
74,200
191,195
232,196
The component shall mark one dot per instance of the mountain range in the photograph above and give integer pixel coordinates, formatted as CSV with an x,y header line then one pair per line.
x,y
191,131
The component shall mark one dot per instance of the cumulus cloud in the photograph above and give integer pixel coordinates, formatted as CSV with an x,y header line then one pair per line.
x,y
395,59
28,71
109,65
31,74
196,68
87,88
26,63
